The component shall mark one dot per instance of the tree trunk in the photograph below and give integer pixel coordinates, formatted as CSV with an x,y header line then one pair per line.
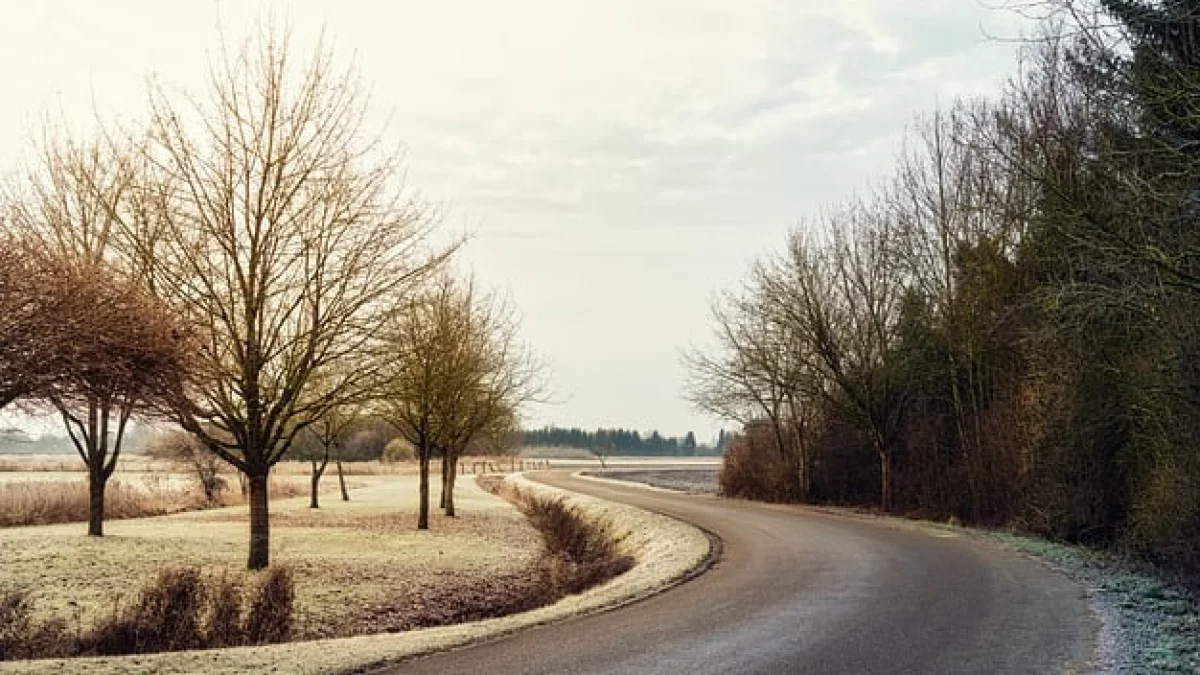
x,y
885,480
313,503
260,524
448,488
423,510
445,483
342,479
96,483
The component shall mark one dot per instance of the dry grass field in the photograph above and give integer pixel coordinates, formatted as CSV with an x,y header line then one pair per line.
x,y
359,566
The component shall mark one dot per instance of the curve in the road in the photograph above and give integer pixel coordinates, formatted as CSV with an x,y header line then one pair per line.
x,y
798,591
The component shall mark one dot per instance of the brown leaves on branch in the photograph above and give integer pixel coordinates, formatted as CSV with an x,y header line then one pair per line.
x,y
72,330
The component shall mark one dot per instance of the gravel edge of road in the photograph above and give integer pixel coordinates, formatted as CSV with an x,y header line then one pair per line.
x,y
1150,625
667,552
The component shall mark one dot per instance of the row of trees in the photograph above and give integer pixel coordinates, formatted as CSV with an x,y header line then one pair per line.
x,y
615,441
1005,331
261,274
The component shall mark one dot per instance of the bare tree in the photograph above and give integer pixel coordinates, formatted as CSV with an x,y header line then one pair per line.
x,y
327,435
185,450
283,236
456,368
842,301
35,329
496,376
760,372
128,354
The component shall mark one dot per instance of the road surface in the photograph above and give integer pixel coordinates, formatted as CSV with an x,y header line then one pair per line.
x,y
799,591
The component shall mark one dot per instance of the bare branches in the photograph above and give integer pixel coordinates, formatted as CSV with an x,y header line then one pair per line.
x,y
286,239
455,370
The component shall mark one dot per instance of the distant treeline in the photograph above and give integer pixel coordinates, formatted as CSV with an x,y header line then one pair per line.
x,y
619,442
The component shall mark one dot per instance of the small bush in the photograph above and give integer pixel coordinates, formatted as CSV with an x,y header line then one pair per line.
x,y
752,469
23,637
224,617
166,617
269,618
398,450
180,609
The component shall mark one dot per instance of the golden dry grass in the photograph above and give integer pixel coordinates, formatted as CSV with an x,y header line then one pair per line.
x,y
50,498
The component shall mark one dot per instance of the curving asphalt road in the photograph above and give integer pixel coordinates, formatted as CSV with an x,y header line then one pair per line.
x,y
799,591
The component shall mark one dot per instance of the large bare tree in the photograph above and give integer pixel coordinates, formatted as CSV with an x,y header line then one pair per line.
x,y
841,301
284,234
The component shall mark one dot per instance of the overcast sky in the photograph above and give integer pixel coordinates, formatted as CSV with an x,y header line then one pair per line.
x,y
619,162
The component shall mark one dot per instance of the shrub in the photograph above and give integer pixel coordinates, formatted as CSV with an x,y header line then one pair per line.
x,y
179,609
752,469
224,616
582,552
166,617
269,618
398,450
23,637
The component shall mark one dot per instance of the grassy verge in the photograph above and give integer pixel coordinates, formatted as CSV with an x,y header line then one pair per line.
x,y
359,566
1151,624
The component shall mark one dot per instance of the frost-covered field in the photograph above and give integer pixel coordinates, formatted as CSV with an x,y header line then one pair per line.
x,y
347,557
665,549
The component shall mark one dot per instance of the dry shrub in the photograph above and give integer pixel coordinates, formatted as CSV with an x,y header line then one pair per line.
x,y
166,617
582,553
269,618
398,450
180,609
24,637
224,618
587,551
752,469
